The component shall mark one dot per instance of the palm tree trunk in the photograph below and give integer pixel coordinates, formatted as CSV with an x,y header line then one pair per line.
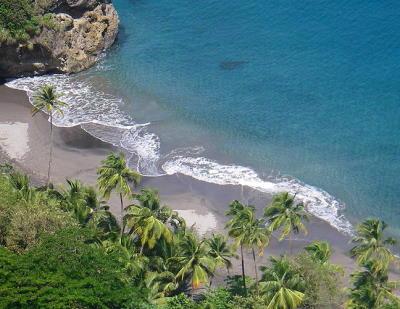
x,y
255,269
243,275
51,149
122,215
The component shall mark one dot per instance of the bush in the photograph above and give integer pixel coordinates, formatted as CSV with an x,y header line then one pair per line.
x,y
16,17
323,282
23,223
66,271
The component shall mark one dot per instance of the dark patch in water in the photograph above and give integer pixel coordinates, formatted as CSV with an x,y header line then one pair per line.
x,y
231,65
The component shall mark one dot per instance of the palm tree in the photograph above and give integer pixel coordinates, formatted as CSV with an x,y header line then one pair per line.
x,y
238,229
283,213
196,263
372,289
150,199
220,251
320,251
281,286
142,223
247,231
371,245
46,99
114,174
258,237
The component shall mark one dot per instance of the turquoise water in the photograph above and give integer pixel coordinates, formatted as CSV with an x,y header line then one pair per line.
x,y
307,89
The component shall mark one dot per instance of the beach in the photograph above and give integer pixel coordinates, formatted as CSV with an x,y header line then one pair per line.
x,y
24,143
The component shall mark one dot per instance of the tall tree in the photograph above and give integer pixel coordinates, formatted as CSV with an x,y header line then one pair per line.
x,y
149,198
281,286
237,230
114,174
285,214
142,223
248,231
320,251
196,263
372,245
372,289
220,251
46,99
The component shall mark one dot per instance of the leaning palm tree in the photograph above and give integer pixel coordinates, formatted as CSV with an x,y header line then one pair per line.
x,y
281,286
114,174
320,251
149,198
283,213
47,100
220,251
372,289
371,245
196,263
143,224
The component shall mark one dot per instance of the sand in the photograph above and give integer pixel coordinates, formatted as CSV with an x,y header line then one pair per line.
x,y
24,141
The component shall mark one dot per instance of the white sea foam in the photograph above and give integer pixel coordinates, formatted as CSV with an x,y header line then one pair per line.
x,y
99,114
320,203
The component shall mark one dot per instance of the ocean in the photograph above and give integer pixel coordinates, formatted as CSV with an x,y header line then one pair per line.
x,y
298,96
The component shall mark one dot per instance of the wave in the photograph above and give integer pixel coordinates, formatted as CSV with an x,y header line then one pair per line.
x,y
99,113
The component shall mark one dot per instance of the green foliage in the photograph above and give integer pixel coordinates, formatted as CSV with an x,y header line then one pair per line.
x,y
286,215
27,214
180,301
281,285
323,282
218,298
372,245
66,271
372,289
17,20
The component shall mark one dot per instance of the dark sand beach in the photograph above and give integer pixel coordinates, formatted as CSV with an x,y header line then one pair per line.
x,y
24,142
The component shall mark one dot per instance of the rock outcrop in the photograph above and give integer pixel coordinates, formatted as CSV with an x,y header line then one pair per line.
x,y
83,30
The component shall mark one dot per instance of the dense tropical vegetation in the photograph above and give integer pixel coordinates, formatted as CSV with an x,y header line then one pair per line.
x,y
22,19
61,247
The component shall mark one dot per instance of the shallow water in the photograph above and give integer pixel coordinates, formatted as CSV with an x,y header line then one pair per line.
x,y
302,92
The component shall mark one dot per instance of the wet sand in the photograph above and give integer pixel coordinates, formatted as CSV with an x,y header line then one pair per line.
x,y
24,141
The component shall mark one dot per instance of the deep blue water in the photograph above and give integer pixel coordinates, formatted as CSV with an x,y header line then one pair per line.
x,y
309,89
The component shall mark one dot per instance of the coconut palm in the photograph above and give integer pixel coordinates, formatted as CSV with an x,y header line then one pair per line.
x,y
248,231
283,213
371,245
142,223
372,289
114,174
320,251
238,229
281,286
220,251
258,237
47,100
150,199
196,263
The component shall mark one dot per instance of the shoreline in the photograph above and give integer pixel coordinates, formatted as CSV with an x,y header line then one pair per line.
x,y
77,154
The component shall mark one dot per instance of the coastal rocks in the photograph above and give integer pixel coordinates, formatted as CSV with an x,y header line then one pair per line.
x,y
83,30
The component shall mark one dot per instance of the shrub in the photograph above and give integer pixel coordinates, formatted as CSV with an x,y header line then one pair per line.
x,y
66,271
323,282
16,16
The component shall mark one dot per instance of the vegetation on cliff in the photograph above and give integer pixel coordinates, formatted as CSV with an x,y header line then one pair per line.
x,y
22,19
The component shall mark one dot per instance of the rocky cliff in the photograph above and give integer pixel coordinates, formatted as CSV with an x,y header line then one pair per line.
x,y
82,30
